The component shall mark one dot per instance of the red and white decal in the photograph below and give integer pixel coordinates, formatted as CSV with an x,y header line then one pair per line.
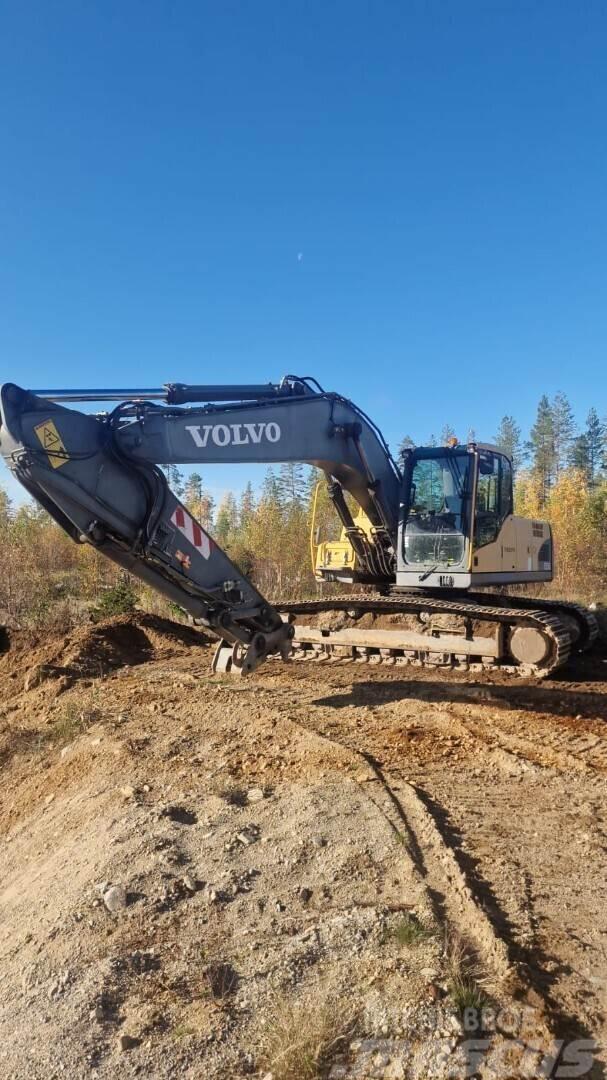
x,y
192,531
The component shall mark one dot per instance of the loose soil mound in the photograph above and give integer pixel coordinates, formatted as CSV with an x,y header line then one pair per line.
x,y
94,650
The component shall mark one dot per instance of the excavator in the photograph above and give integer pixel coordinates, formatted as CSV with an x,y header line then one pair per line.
x,y
428,533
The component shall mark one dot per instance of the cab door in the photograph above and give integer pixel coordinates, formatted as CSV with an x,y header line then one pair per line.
x,y
494,530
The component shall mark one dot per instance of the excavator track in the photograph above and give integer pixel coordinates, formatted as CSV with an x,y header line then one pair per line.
x,y
527,640
586,627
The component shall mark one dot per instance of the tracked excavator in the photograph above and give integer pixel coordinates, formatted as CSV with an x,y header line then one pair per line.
x,y
427,535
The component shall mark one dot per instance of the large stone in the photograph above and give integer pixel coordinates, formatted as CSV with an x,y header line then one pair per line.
x,y
35,676
115,898
128,1042
190,883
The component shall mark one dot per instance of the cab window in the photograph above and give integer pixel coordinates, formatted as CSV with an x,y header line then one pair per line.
x,y
435,527
493,496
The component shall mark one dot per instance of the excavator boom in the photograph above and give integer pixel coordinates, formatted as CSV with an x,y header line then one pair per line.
x,y
98,477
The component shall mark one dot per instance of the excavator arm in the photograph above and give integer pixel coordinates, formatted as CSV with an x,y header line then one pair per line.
x,y
98,477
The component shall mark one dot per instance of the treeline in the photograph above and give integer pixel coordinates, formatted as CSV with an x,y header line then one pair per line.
x,y
556,442
560,476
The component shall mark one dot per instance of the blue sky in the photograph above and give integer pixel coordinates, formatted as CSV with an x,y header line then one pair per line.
x,y
406,200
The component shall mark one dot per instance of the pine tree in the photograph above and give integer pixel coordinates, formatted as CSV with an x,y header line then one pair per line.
x,y
541,447
315,476
587,450
247,505
207,509
596,433
579,455
226,524
269,490
193,493
292,483
174,479
198,501
406,443
563,427
508,439
6,509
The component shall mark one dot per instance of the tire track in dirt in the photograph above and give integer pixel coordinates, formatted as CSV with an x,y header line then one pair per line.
x,y
451,896
506,941
513,778
549,741
561,749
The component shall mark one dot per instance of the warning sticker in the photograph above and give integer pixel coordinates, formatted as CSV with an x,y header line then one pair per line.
x,y
192,531
52,443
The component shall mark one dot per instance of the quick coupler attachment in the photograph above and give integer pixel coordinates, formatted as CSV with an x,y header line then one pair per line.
x,y
238,658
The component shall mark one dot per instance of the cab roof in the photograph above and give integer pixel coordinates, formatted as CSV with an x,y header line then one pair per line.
x,y
435,451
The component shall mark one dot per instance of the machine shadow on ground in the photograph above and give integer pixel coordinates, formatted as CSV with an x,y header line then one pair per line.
x,y
553,698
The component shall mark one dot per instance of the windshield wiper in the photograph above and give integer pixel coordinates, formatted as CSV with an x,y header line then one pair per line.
x,y
423,577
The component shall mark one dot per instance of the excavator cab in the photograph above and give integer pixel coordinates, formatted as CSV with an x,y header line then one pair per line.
x,y
457,526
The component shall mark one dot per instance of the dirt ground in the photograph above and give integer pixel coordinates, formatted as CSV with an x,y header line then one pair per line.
x,y
387,846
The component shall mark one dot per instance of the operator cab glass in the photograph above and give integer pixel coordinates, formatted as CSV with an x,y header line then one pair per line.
x,y
438,503
493,496
438,485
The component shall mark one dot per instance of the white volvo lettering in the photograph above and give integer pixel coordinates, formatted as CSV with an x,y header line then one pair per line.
x,y
194,431
221,435
234,434
237,439
255,431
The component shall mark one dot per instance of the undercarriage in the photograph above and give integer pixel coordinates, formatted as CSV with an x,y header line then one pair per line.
x,y
517,634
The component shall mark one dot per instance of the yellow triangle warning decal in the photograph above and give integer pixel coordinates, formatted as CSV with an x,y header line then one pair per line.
x,y
52,443
51,438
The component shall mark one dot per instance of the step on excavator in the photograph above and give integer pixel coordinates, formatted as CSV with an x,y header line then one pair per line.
x,y
419,538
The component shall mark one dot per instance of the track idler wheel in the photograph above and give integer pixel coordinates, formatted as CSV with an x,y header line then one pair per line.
x,y
529,645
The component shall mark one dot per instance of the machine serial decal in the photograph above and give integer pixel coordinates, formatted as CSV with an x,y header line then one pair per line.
x,y
192,532
52,443
234,434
